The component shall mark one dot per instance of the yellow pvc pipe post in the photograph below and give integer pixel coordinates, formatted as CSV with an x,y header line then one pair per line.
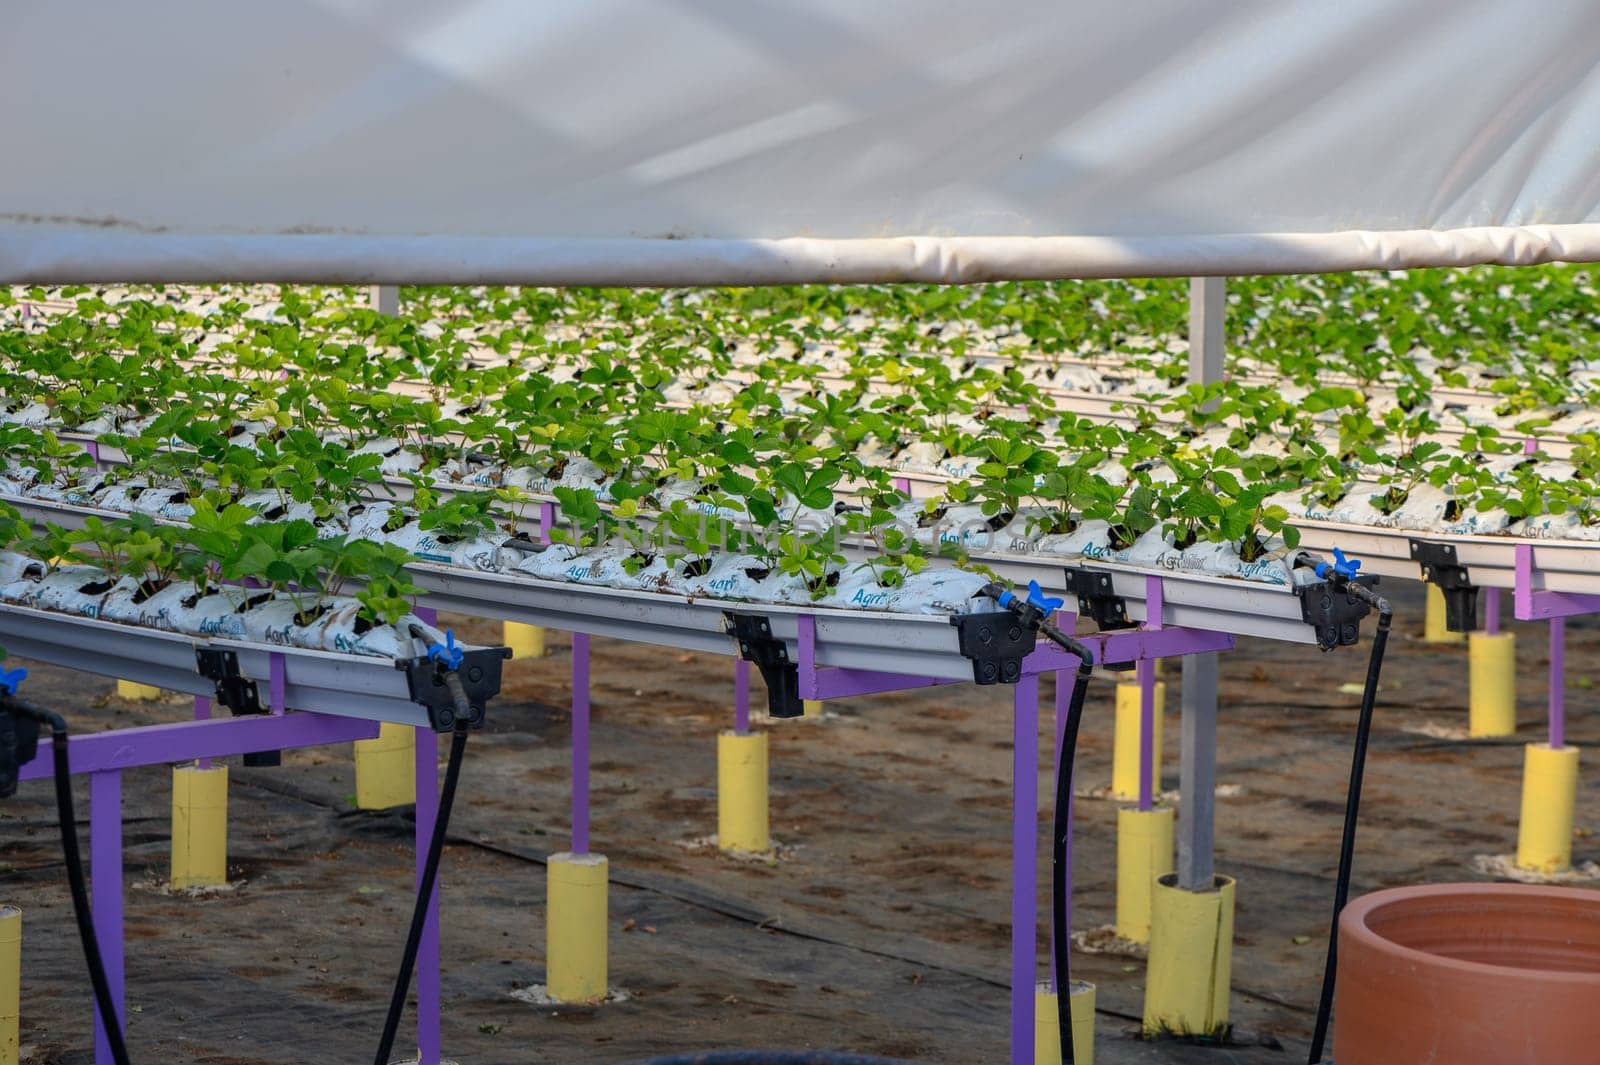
x,y
1492,684
575,927
1144,853
386,768
10,984
1125,741
1191,959
1549,793
1047,1026
199,826
137,693
812,707
742,792
1433,623
525,641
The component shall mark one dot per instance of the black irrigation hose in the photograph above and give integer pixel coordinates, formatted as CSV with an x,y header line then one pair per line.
x,y
425,890
75,878
1060,939
1061,942
1352,808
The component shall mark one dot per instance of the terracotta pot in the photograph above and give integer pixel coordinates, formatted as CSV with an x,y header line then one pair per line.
x,y
1469,974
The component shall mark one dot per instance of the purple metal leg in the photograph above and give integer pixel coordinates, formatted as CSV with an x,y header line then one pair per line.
x,y
1024,863
1491,610
580,743
741,696
105,870
1146,673
427,615
1558,682
428,950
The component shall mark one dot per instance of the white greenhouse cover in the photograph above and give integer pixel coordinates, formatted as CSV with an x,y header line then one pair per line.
x,y
760,141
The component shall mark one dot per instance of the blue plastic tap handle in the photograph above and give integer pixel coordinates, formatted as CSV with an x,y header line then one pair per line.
x,y
11,679
1341,566
1038,599
448,653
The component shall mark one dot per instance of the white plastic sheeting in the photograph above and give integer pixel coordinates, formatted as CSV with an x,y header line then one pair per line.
x,y
706,141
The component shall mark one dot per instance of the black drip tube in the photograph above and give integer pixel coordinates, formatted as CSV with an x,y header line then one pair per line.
x,y
1352,809
75,878
425,890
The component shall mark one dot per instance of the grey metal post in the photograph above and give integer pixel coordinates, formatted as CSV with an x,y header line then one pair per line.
x,y
386,299
1197,780
1207,306
1197,772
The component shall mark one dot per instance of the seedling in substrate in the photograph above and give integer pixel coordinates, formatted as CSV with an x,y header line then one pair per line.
x,y
454,517
581,521
38,455
325,474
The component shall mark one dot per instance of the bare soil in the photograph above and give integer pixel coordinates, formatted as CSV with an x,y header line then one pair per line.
x,y
882,926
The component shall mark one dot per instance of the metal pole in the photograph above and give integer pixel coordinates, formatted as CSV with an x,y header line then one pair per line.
x,y
427,778
1207,308
105,870
385,299
580,743
1024,863
1197,781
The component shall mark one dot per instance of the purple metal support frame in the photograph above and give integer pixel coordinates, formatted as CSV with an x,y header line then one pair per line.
x,y
741,696
580,743
1530,605
547,520
1558,683
818,683
427,778
1491,611
1024,862
104,755
105,870
1126,646
1155,607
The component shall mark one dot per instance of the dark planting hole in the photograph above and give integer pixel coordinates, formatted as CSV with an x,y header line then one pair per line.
x,y
696,567
95,587
148,588
758,573
829,580
254,601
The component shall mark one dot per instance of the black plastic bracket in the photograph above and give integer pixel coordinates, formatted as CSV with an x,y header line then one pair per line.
x,y
1333,613
1097,600
19,744
234,690
771,656
997,643
238,693
1441,567
480,681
